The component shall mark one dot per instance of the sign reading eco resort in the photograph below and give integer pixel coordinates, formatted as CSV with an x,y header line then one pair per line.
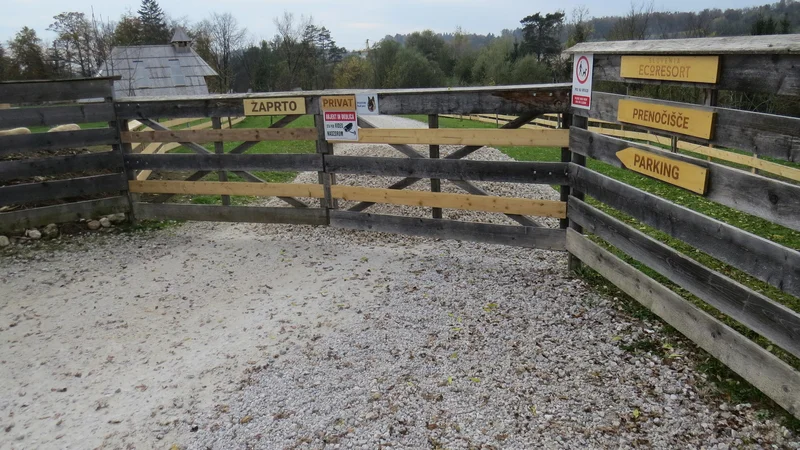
x,y
692,69
688,121
679,173
341,119
274,106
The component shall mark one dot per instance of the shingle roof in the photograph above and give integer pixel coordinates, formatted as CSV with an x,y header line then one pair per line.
x,y
148,70
180,36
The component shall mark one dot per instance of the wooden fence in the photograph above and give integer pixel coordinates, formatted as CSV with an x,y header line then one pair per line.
x,y
767,65
126,181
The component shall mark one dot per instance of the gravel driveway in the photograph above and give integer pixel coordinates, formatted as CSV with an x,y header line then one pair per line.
x,y
249,336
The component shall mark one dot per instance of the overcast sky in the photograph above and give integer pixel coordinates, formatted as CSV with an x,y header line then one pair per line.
x,y
351,22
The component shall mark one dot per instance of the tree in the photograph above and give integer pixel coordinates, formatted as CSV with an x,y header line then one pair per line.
x,y
493,63
528,70
27,56
78,48
634,25
412,70
353,73
128,31
291,45
785,24
154,28
764,26
4,64
382,56
541,34
225,40
580,29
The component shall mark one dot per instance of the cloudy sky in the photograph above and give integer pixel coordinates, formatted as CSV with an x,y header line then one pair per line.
x,y
352,22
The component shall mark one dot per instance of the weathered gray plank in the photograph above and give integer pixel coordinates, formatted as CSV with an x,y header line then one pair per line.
x,y
433,153
762,134
770,74
16,221
541,98
762,369
467,150
57,141
229,162
501,171
16,170
763,259
761,314
56,90
56,115
764,197
197,148
530,237
49,190
213,213
768,44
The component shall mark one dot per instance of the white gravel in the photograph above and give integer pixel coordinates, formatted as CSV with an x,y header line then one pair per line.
x,y
247,336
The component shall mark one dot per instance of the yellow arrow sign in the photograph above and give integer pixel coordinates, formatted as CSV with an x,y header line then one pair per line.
x,y
679,173
691,121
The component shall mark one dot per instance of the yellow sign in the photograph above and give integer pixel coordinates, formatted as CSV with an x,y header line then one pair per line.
x,y
679,173
274,106
693,69
338,103
689,121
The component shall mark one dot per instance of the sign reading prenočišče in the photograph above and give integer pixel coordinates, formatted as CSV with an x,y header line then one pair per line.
x,y
689,121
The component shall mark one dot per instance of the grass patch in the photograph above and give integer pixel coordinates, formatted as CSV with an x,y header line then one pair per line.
x,y
263,147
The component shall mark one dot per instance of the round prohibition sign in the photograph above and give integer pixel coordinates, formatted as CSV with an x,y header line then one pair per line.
x,y
582,70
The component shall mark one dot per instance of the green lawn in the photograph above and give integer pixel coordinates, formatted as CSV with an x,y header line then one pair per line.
x,y
727,383
264,147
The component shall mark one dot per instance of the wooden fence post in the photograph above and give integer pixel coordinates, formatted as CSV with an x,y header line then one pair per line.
x,y
573,263
436,184
219,149
324,177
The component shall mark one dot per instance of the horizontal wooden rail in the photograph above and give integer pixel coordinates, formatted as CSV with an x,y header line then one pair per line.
x,y
50,190
56,115
54,165
543,208
213,213
554,173
757,312
463,136
238,134
766,260
228,162
762,134
57,141
56,90
762,369
770,199
232,188
24,219
513,235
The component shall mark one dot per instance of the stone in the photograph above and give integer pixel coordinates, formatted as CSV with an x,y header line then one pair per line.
x,y
71,228
4,242
50,231
117,218
105,223
93,225
34,234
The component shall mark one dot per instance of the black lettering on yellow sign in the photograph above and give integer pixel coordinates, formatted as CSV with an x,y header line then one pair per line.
x,y
338,103
274,106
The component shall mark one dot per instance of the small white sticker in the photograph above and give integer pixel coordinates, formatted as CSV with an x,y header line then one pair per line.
x,y
341,126
367,104
582,80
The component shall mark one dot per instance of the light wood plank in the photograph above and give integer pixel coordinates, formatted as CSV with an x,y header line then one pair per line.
x,y
217,188
461,136
762,369
779,43
239,134
543,208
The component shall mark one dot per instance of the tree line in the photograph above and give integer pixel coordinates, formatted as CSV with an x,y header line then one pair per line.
x,y
304,55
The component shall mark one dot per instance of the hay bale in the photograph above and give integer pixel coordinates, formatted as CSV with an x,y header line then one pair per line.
x,y
66,127
15,131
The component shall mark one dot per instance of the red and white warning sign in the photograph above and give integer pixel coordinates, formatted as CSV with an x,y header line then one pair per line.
x,y
582,80
341,126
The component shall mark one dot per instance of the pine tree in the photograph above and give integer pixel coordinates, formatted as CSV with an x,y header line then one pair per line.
x,y
154,26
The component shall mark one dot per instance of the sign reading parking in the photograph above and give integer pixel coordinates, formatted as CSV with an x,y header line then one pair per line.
x,y
582,80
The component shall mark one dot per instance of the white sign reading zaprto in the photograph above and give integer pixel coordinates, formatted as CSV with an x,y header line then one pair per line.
x,y
582,80
367,104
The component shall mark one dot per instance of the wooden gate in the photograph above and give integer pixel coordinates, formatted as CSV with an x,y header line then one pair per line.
x,y
763,67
